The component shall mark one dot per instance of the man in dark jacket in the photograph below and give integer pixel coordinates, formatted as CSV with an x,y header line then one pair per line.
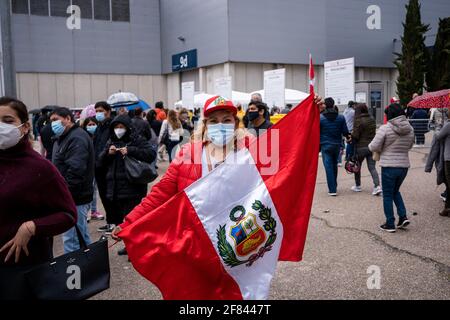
x,y
73,155
101,137
258,122
332,127
141,127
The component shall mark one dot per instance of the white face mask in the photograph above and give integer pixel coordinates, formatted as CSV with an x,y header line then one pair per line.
x,y
120,132
10,135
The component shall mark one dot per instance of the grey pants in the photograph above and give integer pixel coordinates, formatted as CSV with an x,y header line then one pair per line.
x,y
364,153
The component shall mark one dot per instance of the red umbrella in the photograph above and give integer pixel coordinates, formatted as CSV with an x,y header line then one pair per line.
x,y
437,99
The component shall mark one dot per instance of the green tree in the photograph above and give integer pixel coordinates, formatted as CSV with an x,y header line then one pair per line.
x,y
412,61
438,73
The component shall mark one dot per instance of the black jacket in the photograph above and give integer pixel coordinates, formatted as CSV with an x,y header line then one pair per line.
x,y
156,126
101,137
73,155
118,187
47,140
142,128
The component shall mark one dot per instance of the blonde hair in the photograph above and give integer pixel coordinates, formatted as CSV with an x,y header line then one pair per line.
x,y
173,120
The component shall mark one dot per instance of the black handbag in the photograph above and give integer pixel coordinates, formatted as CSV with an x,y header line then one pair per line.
x,y
140,172
78,275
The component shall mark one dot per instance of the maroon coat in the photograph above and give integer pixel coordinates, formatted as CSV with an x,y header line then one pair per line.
x,y
31,188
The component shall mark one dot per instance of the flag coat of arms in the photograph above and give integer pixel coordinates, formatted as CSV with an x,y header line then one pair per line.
x,y
222,236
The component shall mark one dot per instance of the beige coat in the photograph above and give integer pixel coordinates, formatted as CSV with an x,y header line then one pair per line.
x,y
393,141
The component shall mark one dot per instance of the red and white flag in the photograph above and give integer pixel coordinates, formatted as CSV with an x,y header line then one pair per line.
x,y
312,77
222,236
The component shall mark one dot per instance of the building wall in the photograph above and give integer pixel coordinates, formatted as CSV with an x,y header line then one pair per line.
x,y
45,44
79,90
286,31
203,24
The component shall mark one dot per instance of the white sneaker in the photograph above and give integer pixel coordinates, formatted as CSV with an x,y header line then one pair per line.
x,y
332,194
377,191
340,165
356,189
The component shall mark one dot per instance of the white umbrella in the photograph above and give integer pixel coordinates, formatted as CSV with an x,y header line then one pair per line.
x,y
122,98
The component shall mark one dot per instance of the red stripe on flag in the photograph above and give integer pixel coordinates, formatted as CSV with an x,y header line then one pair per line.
x,y
171,248
292,187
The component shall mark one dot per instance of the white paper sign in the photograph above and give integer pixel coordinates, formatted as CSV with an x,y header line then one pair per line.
x,y
340,80
223,87
187,94
274,88
361,97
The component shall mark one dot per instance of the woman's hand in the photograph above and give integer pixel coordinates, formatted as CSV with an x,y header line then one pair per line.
x,y
123,151
320,102
112,149
115,233
20,241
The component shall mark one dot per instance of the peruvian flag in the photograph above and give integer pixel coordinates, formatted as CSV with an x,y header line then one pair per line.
x,y
312,77
222,236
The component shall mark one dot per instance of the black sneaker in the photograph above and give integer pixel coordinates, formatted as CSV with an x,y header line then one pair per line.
x,y
403,223
122,252
387,228
106,228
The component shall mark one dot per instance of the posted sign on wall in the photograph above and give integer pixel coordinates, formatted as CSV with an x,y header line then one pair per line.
x,y
185,60
340,80
274,87
187,94
222,87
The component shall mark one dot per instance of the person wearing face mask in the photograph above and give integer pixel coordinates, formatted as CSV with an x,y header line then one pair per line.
x,y
73,155
257,116
123,194
28,218
91,125
101,137
217,137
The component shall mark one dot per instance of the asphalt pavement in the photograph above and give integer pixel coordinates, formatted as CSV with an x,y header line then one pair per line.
x,y
346,255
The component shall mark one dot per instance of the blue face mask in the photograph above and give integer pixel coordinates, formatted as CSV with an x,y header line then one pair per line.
x,y
58,128
220,134
100,116
91,129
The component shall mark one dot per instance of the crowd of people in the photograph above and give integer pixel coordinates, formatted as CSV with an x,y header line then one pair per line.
x,y
43,195
88,158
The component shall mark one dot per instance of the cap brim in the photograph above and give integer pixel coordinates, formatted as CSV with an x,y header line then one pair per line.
x,y
232,109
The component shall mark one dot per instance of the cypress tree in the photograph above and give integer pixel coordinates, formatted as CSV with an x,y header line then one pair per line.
x,y
438,73
412,61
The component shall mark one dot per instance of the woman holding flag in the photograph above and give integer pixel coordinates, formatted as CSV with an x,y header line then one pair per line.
x,y
215,138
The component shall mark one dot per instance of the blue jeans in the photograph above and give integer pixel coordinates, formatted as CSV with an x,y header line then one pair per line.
x,y
94,199
330,155
349,151
391,181
70,238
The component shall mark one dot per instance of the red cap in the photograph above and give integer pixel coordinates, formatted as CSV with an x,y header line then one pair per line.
x,y
218,103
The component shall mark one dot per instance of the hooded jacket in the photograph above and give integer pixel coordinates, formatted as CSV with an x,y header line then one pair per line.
x,y
118,187
393,141
332,127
